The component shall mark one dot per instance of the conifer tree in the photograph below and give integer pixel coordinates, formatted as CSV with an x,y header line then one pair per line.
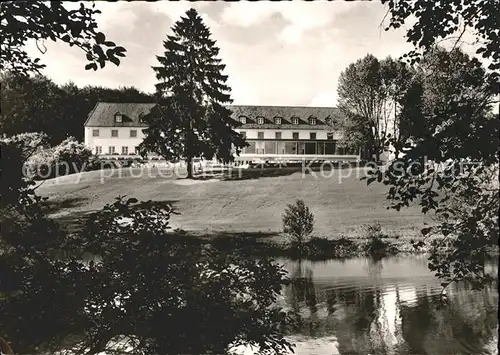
x,y
191,118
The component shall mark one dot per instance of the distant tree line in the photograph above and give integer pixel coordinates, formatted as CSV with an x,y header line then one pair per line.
x,y
37,104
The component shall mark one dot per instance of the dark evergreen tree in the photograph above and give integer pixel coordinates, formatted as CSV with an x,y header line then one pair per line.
x,y
191,118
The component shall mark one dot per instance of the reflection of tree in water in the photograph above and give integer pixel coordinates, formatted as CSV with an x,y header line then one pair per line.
x,y
365,310
360,309
350,312
302,292
378,320
417,321
358,306
331,301
374,267
464,324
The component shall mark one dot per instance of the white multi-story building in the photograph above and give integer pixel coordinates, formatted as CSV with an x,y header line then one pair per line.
x,y
115,128
274,133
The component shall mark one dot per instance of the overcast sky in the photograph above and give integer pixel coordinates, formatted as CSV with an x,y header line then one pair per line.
x,y
276,53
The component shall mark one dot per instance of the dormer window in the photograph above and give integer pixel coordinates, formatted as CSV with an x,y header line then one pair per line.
x,y
118,117
243,119
277,120
260,120
295,120
312,121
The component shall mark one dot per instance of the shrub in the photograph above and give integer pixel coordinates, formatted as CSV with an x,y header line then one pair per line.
x,y
376,246
203,286
72,155
41,165
142,280
29,145
38,290
298,222
29,142
374,230
97,163
69,157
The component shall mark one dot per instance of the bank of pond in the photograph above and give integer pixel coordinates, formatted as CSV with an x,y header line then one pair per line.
x,y
315,248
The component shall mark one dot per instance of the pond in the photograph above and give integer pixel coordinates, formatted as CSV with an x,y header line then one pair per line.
x,y
390,306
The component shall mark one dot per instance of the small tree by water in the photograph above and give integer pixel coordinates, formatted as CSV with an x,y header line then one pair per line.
x,y
298,222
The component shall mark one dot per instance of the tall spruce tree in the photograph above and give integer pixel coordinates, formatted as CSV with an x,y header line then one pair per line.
x,y
191,119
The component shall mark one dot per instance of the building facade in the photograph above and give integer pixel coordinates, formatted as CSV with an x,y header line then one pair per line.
x,y
289,133
115,129
273,133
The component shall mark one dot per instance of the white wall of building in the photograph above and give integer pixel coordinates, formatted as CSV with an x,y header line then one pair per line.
x,y
105,139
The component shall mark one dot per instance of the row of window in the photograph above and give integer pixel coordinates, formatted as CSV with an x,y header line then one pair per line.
x,y
260,135
264,147
243,119
295,135
114,133
112,150
277,120
296,148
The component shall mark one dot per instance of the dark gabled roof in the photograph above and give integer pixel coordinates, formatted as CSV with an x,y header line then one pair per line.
x,y
103,115
286,113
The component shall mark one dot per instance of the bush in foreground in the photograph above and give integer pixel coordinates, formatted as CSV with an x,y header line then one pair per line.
x,y
145,289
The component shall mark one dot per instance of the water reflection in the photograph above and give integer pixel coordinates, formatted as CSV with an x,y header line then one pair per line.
x,y
389,306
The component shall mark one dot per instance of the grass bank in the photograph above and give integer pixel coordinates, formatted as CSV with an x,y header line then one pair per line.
x,y
248,201
314,249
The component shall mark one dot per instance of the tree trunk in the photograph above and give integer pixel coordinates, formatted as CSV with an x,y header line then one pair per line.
x,y
374,154
377,155
4,347
189,163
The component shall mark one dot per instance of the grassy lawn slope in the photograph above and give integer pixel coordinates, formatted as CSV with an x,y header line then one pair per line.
x,y
250,203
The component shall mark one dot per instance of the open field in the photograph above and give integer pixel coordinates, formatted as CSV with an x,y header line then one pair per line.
x,y
252,202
